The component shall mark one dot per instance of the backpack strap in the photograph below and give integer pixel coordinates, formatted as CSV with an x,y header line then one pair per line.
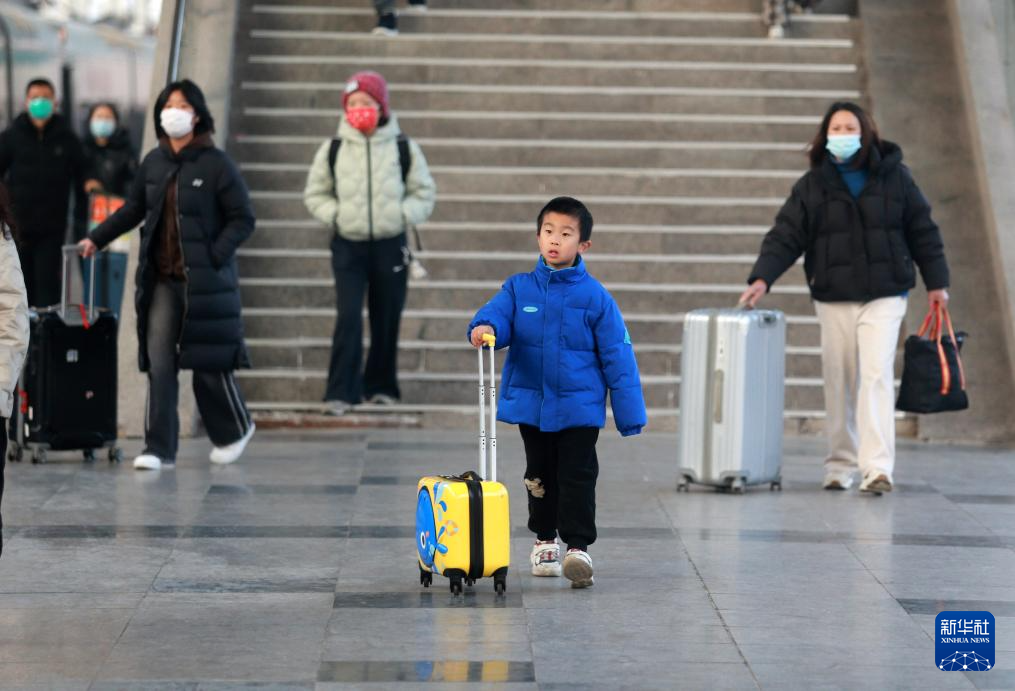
x,y
333,156
404,155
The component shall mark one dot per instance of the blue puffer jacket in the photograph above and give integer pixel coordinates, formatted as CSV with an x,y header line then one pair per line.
x,y
568,345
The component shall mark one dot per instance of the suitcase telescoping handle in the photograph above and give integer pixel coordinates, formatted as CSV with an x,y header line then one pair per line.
x,y
489,341
70,255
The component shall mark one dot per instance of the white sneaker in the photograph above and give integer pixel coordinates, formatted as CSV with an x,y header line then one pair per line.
x,y
223,455
876,482
838,479
147,461
776,31
337,408
578,568
383,399
545,558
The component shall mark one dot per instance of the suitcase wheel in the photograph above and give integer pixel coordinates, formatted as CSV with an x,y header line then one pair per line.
x,y
425,577
456,586
737,486
115,454
39,456
15,454
469,582
89,455
499,584
684,484
775,486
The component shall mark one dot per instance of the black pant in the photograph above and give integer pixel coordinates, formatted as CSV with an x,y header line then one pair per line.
x,y
378,270
221,406
3,461
42,265
565,467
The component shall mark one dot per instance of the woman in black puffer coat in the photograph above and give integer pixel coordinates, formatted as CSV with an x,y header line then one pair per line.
x,y
110,154
863,227
196,212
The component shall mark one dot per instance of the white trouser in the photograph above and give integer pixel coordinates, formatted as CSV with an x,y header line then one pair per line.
x,y
858,344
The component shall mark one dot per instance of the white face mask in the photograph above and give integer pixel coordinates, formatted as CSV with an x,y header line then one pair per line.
x,y
177,122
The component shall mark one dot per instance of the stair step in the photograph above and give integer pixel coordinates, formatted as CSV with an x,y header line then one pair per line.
x,y
561,152
504,237
422,125
336,69
460,356
291,177
493,97
661,391
806,53
438,324
540,21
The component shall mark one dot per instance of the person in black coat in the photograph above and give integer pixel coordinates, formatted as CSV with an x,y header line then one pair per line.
x,y
110,155
42,162
863,228
196,213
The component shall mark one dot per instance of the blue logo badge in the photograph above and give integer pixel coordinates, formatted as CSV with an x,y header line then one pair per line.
x,y
964,641
531,309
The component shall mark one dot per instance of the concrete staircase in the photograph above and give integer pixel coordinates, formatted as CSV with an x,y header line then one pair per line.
x,y
676,121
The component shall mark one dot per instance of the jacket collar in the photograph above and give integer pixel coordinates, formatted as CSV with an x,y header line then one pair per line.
x,y
390,130
55,124
191,151
882,161
572,274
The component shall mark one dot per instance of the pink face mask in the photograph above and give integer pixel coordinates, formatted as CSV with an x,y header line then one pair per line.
x,y
363,119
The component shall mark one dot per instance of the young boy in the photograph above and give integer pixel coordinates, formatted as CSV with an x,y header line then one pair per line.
x,y
568,345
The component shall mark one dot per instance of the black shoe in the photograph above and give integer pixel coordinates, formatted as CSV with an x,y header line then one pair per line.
x,y
387,25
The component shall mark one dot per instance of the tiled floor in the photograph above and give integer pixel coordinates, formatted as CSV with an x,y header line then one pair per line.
x,y
296,568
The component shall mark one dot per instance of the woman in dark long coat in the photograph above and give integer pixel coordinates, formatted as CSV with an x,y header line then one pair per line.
x,y
863,228
196,213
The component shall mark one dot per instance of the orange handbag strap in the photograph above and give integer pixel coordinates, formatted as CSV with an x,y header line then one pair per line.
x,y
937,319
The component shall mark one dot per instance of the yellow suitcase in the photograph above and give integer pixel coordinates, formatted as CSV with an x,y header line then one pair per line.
x,y
463,527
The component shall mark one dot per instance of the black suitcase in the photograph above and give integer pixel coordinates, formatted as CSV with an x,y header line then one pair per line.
x,y
67,393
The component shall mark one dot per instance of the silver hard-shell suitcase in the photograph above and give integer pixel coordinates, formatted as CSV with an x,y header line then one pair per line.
x,y
732,392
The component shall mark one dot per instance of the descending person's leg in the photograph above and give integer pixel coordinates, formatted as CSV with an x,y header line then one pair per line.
x,y
345,382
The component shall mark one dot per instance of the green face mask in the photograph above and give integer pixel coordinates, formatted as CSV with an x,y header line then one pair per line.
x,y
40,108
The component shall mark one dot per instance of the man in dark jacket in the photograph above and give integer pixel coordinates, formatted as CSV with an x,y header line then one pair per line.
x,y
42,162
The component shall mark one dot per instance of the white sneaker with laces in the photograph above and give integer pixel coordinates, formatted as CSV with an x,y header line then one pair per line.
x,y
147,461
383,399
578,568
224,455
876,482
545,558
337,408
838,479
776,31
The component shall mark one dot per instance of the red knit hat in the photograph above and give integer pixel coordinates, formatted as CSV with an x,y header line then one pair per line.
x,y
370,83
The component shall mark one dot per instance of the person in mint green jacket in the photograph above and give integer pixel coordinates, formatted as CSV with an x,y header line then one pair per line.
x,y
369,185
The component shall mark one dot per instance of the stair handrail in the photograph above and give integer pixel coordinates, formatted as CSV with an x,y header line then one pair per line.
x,y
177,44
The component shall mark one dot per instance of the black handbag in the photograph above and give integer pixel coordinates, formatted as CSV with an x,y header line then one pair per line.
x,y
933,380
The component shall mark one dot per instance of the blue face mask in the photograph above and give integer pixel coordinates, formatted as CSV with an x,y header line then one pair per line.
x,y
102,128
843,146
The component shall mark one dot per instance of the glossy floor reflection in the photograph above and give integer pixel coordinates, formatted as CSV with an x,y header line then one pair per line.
x,y
295,568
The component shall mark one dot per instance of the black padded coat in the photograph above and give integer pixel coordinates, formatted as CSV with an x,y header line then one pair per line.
x,y
856,250
215,217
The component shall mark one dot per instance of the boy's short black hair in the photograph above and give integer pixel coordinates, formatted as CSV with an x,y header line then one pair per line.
x,y
569,206
40,81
